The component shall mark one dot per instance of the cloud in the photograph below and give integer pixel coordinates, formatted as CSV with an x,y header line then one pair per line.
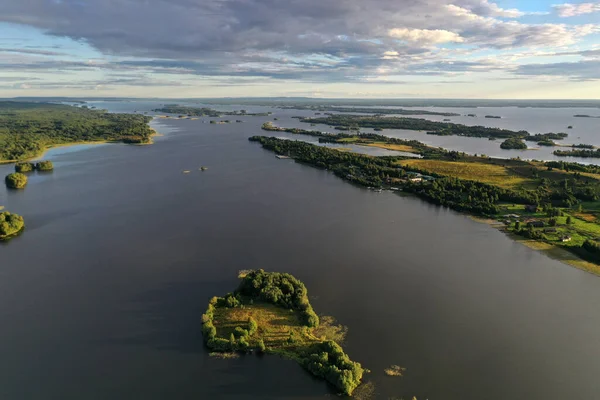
x,y
425,36
585,70
30,51
571,10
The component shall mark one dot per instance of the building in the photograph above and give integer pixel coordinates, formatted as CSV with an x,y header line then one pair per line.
x,y
536,223
531,208
565,238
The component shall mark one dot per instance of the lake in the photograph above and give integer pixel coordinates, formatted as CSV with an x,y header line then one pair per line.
x,y
101,297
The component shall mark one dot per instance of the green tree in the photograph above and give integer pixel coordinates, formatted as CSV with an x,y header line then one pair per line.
x,y
252,326
16,180
569,220
517,225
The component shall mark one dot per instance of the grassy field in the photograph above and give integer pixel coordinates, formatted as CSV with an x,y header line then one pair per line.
x,y
475,171
276,325
389,146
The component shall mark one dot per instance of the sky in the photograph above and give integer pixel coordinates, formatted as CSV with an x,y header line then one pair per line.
x,y
510,49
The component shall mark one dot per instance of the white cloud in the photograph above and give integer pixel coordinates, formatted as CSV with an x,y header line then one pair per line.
x,y
425,36
572,10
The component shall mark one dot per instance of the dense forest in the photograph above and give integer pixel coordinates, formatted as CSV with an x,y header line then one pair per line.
x,y
26,129
352,122
203,111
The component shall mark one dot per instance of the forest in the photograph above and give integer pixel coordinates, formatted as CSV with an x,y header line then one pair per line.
x,y
27,128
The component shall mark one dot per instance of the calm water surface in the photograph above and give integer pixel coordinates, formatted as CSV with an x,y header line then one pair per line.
x,y
101,297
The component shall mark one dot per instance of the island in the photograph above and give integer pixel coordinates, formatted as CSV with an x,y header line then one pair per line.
x,y
27,129
346,122
10,225
24,167
513,143
44,166
556,204
270,312
203,111
369,110
493,116
582,146
16,180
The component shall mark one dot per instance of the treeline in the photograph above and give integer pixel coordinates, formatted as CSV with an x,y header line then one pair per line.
x,y
585,153
202,111
26,129
365,110
28,167
571,166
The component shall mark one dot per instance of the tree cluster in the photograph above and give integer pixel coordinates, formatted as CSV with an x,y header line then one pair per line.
x,y
329,361
10,224
280,289
16,180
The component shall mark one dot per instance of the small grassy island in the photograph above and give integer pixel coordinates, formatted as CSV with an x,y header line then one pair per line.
x,y
44,166
16,180
513,143
270,312
584,152
28,128
24,167
10,225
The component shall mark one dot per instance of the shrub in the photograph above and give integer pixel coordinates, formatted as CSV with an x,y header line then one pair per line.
x,y
44,166
10,223
24,167
16,180
252,326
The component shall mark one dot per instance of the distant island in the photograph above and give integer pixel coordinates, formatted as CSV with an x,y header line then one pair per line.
x,y
493,116
203,111
513,143
10,225
365,110
353,122
16,180
585,116
27,129
270,313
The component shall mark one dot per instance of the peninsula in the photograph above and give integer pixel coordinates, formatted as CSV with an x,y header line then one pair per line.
x,y
270,312
29,128
552,204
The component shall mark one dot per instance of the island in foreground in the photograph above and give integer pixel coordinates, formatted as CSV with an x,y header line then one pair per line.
x,y
270,312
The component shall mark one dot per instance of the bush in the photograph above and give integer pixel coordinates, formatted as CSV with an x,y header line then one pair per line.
x,y
219,344
330,362
240,332
10,223
44,166
24,167
252,326
261,346
16,180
